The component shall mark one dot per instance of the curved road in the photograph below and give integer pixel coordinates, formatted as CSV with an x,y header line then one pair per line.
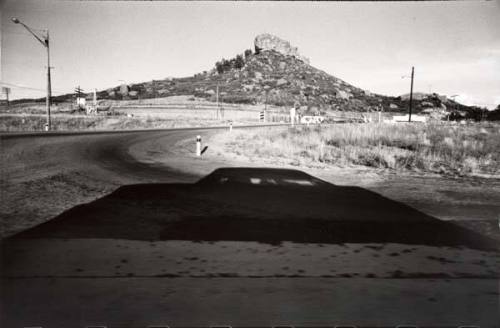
x,y
59,282
64,169
106,149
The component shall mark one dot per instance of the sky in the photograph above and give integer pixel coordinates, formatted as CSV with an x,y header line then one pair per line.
x,y
454,46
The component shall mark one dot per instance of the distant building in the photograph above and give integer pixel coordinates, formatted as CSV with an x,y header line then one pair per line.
x,y
81,102
404,118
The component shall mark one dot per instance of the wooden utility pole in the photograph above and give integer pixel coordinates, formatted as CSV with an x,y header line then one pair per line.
x,y
49,83
411,92
217,99
265,106
94,103
6,92
78,92
267,97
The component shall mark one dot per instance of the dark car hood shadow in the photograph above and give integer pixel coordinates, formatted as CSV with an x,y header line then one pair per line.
x,y
255,204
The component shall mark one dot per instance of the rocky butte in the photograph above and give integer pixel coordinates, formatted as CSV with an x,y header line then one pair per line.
x,y
277,74
266,42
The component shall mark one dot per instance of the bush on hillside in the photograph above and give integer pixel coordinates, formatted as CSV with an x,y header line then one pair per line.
x,y
239,62
239,99
248,53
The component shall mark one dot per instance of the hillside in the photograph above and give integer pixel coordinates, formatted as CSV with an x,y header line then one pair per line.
x,y
277,74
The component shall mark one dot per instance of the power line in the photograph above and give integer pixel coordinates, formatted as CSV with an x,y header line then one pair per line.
x,y
20,86
12,85
16,33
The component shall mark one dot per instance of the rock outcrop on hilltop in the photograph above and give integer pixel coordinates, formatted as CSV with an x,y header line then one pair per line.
x,y
266,42
286,80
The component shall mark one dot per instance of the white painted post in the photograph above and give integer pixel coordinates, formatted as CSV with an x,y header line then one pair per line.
x,y
230,126
198,145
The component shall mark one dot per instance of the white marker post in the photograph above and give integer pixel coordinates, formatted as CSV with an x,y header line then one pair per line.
x,y
230,126
198,145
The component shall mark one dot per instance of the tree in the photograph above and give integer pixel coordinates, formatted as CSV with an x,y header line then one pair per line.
x,y
219,67
239,62
226,65
248,53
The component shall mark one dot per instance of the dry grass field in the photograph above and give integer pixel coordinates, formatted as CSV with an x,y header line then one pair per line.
x,y
470,149
157,113
118,122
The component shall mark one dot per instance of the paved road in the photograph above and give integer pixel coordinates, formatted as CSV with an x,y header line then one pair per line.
x,y
85,273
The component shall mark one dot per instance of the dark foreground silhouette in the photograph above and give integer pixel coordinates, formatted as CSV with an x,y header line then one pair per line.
x,y
255,204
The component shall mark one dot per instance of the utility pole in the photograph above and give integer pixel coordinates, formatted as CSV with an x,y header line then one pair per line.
x,y
94,103
49,84
6,91
266,116
78,92
411,92
265,107
217,100
265,103
45,43
456,108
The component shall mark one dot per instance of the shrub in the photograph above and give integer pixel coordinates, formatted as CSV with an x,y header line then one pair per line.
x,y
239,62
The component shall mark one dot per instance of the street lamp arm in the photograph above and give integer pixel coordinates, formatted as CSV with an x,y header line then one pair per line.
x,y
45,42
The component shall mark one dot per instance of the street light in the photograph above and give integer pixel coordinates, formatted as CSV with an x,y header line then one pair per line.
x,y
44,40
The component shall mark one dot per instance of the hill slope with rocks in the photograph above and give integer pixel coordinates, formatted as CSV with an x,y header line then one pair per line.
x,y
275,73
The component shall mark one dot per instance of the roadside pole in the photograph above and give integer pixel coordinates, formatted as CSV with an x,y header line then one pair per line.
x,y
6,92
95,101
78,92
265,107
49,86
44,40
411,92
198,145
217,100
